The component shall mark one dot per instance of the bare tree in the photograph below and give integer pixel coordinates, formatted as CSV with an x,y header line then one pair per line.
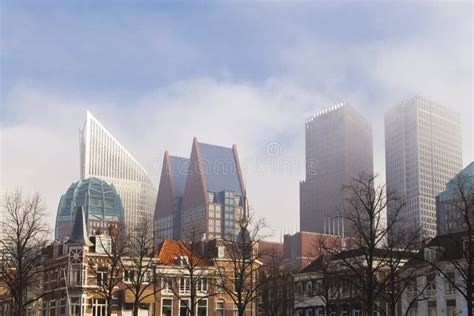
x,y
405,241
371,267
193,284
242,284
25,235
455,250
329,283
139,265
277,286
107,264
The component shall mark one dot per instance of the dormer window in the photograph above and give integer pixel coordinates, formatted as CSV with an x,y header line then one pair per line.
x,y
210,197
432,254
182,260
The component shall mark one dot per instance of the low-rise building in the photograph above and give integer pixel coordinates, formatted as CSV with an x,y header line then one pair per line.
x,y
441,277
74,272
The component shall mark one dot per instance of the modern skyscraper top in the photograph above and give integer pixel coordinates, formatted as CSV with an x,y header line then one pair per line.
x,y
102,156
423,151
338,148
207,189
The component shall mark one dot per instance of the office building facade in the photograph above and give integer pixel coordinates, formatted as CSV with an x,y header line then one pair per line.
x,y
423,151
338,149
204,195
103,157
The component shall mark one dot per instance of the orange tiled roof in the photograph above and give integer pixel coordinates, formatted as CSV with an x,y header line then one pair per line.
x,y
169,250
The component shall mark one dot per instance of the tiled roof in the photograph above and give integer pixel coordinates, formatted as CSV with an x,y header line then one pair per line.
x,y
220,169
170,250
179,171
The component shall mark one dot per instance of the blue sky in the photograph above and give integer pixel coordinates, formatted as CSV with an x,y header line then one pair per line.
x,y
158,73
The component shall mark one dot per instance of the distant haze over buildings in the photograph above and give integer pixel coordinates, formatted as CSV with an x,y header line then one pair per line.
x,y
228,73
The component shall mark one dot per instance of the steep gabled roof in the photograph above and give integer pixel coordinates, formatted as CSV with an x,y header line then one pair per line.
x,y
221,169
179,171
79,230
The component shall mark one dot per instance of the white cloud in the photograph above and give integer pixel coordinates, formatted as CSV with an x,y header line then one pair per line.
x,y
40,139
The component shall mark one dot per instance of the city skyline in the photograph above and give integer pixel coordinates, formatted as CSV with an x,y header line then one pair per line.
x,y
151,77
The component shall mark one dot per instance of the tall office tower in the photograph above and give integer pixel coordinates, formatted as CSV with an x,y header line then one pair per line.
x,y
423,152
103,157
338,149
170,197
204,195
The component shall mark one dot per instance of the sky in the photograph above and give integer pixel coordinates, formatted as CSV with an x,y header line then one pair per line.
x,y
157,74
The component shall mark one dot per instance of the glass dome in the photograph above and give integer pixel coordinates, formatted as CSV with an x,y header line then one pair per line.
x,y
101,202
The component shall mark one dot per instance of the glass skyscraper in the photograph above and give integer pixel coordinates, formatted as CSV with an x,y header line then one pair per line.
x,y
423,151
103,157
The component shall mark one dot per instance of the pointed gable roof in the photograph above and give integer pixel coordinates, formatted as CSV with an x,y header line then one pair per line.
x,y
222,172
179,171
79,229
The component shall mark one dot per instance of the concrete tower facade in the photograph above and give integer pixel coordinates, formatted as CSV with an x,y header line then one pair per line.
x,y
338,149
423,151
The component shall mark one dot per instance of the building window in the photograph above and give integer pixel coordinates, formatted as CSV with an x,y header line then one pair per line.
x,y
431,285
183,285
220,308
449,287
101,277
76,306
432,308
202,285
99,307
166,307
451,307
52,308
75,277
183,307
166,285
202,308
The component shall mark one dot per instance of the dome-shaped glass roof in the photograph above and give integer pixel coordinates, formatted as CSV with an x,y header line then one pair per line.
x,y
101,203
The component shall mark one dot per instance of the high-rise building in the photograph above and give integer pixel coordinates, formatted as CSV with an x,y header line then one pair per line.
x,y
100,203
170,197
204,195
338,149
423,152
452,205
103,157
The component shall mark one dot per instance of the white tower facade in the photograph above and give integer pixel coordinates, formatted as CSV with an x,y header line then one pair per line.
x,y
423,151
103,157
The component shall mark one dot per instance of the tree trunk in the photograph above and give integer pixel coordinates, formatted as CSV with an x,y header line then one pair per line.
x,y
136,305
469,307
109,306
